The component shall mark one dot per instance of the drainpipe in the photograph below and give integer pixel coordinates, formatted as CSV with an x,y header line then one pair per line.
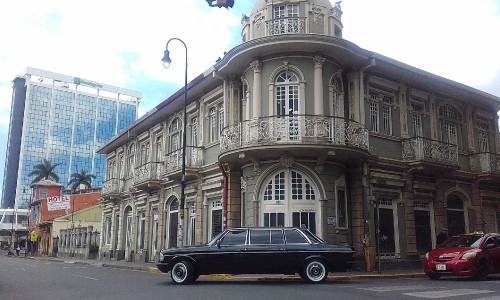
x,y
224,196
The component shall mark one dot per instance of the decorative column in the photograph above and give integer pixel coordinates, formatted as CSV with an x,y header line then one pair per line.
x,y
257,88
318,85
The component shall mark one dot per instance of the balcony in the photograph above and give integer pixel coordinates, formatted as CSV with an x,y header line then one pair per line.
x,y
173,162
336,136
286,25
485,163
429,153
111,188
148,176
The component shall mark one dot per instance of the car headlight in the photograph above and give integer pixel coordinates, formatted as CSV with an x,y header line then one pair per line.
x,y
468,255
161,256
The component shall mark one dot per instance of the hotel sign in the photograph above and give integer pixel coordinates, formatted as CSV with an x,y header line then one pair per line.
x,y
81,81
58,203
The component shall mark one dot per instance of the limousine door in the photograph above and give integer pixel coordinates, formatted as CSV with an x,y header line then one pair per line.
x,y
228,254
264,254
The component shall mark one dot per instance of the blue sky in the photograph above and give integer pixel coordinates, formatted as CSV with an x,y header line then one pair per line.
x,y
122,42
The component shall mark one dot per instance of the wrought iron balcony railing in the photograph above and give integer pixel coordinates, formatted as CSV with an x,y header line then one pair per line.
x,y
427,150
148,171
194,159
286,25
485,162
111,186
299,129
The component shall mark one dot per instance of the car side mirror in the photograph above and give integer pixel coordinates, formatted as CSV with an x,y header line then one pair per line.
x,y
219,241
490,246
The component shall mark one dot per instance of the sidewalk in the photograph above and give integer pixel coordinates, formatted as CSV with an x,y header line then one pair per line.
x,y
151,267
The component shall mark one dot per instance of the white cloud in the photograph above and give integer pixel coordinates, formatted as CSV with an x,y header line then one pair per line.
x,y
456,39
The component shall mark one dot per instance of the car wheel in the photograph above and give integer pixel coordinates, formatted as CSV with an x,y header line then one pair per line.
x,y
434,276
482,271
314,271
182,272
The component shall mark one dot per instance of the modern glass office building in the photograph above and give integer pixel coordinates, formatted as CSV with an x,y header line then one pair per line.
x,y
63,119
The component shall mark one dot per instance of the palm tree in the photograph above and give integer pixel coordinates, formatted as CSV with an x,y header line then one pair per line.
x,y
81,178
45,170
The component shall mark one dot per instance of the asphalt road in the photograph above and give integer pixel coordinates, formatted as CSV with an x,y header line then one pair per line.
x,y
28,279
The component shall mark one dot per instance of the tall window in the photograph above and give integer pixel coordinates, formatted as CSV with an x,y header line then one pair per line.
x,y
159,148
341,209
171,224
450,119
107,230
174,135
216,122
287,94
380,113
141,230
144,153
482,134
416,120
216,217
111,169
131,160
194,131
337,91
192,223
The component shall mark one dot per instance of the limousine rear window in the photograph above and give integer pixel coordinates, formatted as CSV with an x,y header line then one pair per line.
x,y
292,236
314,239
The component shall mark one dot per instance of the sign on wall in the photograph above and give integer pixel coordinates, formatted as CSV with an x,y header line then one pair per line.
x,y
58,203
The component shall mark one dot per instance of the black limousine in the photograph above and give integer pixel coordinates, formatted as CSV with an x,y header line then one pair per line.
x,y
262,250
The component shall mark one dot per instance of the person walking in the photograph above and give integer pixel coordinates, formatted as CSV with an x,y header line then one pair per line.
x,y
18,249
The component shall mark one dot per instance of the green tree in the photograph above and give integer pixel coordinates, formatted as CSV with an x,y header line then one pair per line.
x,y
45,170
81,178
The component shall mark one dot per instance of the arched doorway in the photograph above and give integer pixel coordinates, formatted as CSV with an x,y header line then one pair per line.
x,y
171,223
455,214
290,199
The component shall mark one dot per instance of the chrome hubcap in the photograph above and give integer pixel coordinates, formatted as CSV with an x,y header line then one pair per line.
x,y
179,272
316,271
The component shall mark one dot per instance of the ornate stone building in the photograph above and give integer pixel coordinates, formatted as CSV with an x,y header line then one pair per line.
x,y
297,126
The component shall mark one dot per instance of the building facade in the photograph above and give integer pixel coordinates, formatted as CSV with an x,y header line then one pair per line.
x,y
71,209
297,126
63,119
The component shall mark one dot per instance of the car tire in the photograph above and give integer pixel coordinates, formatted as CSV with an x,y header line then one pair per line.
x,y
434,276
314,271
482,271
182,272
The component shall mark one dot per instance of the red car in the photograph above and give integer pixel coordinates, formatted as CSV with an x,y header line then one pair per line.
x,y
475,254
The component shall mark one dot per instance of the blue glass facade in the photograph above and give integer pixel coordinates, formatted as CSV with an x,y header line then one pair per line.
x,y
65,126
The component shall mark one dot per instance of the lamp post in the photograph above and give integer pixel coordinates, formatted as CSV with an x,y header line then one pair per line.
x,y
166,63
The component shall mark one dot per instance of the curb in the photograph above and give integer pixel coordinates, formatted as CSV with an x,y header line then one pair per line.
x,y
229,277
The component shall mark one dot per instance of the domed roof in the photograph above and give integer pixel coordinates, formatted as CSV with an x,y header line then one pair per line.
x,y
261,4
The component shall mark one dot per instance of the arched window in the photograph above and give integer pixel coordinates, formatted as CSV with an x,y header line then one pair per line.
x,y
174,135
287,94
290,199
171,223
455,214
131,160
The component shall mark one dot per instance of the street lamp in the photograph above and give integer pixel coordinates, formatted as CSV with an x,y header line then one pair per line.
x,y
166,63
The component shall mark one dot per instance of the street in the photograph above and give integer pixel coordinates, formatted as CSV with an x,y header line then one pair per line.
x,y
24,278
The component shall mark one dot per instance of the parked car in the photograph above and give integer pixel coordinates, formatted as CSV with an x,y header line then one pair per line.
x,y
475,254
261,250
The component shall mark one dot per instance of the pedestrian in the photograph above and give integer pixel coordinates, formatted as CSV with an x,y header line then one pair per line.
x,y
442,236
17,250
